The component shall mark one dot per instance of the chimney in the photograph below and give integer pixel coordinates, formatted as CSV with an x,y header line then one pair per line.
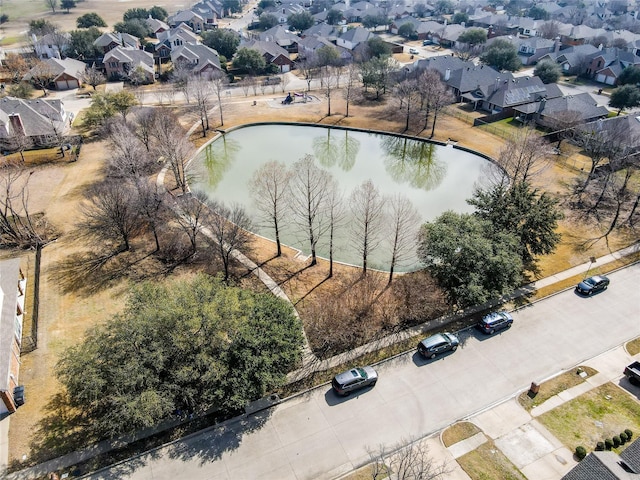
x,y
445,22
447,74
600,47
463,24
556,46
496,85
543,102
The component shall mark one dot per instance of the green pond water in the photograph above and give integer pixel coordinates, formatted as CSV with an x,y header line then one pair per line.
x,y
434,178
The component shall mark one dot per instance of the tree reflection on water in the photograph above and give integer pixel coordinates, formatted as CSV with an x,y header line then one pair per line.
x,y
413,161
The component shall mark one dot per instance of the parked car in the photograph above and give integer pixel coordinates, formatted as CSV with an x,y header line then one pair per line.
x,y
495,321
426,42
593,285
18,395
437,344
354,379
632,372
413,51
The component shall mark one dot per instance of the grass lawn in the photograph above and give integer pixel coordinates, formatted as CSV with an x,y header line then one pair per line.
x,y
458,432
633,347
553,387
594,416
487,462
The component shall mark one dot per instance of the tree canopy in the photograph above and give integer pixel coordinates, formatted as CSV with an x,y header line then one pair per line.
x,y
471,262
136,27
81,44
90,20
523,211
186,345
473,36
630,75
502,55
300,21
626,96
548,71
222,40
249,60
267,21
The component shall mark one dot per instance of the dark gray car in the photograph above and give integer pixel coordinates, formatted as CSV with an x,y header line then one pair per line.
x,y
437,344
354,379
495,321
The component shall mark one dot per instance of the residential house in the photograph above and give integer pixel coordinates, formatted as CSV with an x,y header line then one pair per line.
x,y
397,23
122,62
210,11
68,73
353,37
447,35
581,34
530,50
173,38
51,45
308,46
528,27
443,64
359,10
607,65
272,53
12,288
321,30
109,41
282,36
199,58
482,79
551,112
42,121
518,91
193,20
283,11
572,60
607,465
156,26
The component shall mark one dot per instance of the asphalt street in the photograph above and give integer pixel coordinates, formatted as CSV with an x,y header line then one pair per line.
x,y
320,436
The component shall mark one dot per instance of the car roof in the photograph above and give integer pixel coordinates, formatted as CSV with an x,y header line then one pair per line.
x,y
348,375
434,339
599,277
495,316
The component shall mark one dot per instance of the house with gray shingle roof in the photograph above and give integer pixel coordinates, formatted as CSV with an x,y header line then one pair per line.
x,y
442,64
606,65
173,38
122,62
199,58
41,120
192,19
572,60
465,81
308,46
12,299
608,465
548,112
156,26
109,41
68,72
210,11
282,36
515,92
272,54
353,37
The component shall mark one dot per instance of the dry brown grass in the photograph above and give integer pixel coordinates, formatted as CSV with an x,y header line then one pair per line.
x,y
458,432
488,462
553,387
633,347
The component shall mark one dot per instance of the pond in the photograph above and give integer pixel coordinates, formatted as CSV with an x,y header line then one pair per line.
x,y
435,178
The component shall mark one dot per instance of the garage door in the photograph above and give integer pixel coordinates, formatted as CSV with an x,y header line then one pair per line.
x,y
601,78
66,84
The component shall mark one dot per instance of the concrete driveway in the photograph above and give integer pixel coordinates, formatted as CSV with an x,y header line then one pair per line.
x,y
320,436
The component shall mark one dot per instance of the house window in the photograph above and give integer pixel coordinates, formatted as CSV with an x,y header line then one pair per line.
x,y
599,63
113,64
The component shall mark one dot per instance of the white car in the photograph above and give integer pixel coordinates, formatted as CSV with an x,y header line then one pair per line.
x,y
413,51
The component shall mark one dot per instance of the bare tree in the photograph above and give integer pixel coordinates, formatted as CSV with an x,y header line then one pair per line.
x,y
549,30
245,85
230,227
336,215
404,221
426,83
524,155
219,83
308,199
110,213
368,215
173,146
128,156
151,205
329,80
189,212
52,4
200,89
180,79
406,460
406,94
563,123
20,141
351,81
41,76
269,188
94,77
284,81
308,67
145,125
19,227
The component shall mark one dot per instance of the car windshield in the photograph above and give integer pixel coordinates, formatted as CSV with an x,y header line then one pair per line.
x,y
590,281
361,373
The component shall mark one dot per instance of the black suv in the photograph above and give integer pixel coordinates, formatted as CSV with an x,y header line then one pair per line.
x,y
495,321
438,343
